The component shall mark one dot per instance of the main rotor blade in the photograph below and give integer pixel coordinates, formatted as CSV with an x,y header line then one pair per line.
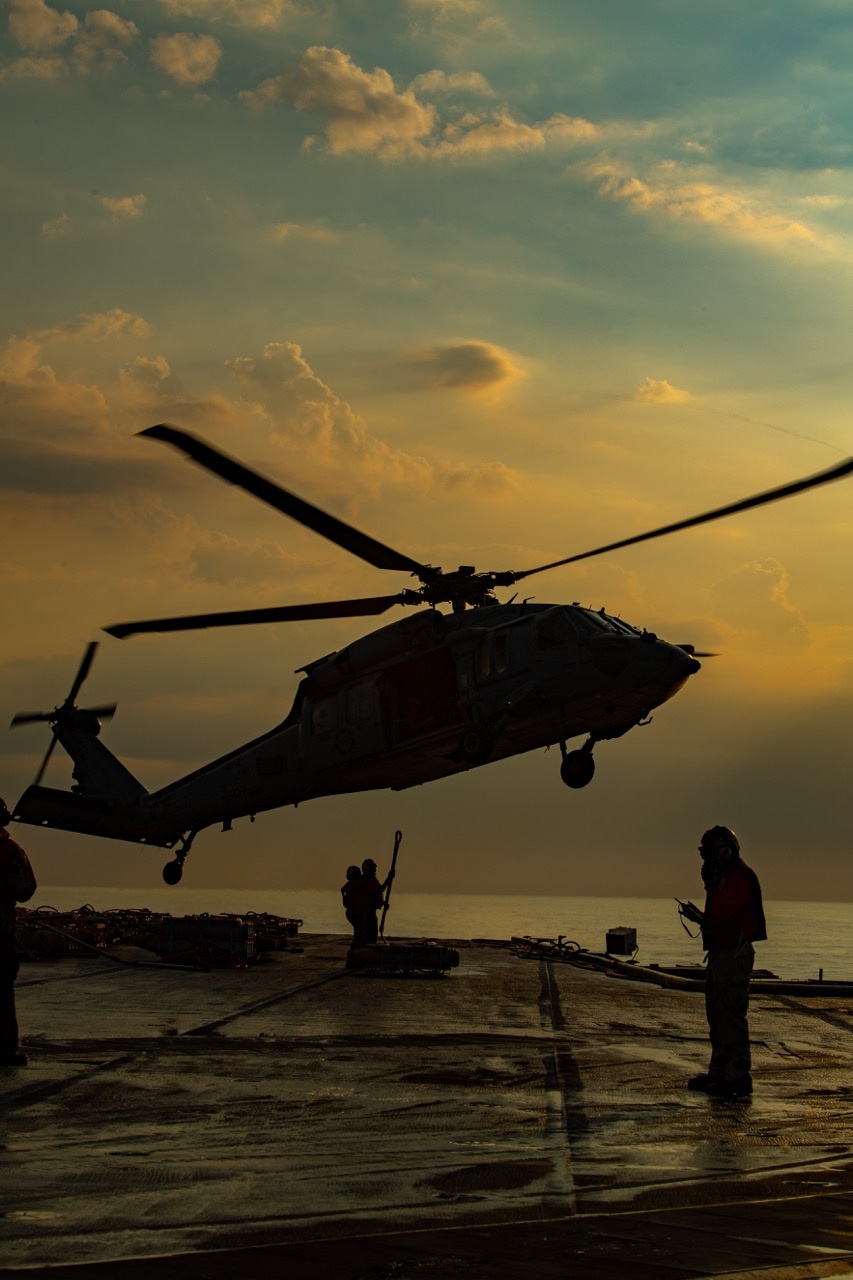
x,y
344,535
758,500
240,617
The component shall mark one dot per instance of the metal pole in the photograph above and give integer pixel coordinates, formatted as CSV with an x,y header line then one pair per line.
x,y
398,836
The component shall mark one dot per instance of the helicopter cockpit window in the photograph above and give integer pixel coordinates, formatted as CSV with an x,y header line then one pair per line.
x,y
360,701
624,628
591,622
555,628
324,715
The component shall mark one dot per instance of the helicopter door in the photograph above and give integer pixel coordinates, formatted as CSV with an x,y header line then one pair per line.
x,y
362,732
420,696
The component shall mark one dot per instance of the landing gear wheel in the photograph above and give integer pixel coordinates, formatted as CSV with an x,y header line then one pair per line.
x,y
173,871
577,769
476,746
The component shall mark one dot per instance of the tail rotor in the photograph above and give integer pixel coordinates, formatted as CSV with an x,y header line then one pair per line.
x,y
68,713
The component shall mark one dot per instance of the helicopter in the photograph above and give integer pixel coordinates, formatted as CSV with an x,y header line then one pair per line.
x,y
422,698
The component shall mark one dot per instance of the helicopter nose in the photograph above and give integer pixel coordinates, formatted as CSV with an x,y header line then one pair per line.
x,y
657,667
673,659
644,655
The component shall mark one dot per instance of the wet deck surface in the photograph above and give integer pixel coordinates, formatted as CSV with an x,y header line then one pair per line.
x,y
517,1117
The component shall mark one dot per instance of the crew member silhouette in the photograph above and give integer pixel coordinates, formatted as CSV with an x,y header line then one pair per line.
x,y
17,884
732,921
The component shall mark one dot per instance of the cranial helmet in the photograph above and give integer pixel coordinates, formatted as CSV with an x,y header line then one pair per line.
x,y
715,837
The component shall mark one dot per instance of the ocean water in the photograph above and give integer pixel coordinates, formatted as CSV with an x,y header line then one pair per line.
x,y
805,937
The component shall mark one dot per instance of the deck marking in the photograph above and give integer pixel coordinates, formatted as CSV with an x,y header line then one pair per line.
x,y
559,1067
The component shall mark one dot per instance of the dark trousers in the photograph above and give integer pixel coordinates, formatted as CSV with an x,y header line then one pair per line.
x,y
360,927
726,1006
8,1019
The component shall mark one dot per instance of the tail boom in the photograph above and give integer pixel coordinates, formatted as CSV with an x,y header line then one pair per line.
x,y
91,815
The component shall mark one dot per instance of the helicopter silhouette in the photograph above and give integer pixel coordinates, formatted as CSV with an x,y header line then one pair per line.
x,y
422,698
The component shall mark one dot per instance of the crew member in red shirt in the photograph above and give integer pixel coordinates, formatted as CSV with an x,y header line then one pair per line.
x,y
732,921
17,884
362,897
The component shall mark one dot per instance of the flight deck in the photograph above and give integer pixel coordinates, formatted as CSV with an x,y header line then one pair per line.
x,y
518,1116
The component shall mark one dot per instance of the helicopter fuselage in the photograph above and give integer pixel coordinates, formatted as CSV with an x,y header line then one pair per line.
x,y
420,699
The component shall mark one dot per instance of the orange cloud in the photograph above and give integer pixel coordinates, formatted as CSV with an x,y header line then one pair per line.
x,y
466,366
99,41
260,14
364,112
190,60
34,25
731,213
659,391
123,206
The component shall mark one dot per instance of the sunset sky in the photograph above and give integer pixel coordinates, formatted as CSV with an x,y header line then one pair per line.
x,y
497,281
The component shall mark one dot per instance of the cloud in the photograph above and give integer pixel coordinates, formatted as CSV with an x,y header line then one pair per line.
x,y
304,231
35,401
442,84
473,135
489,479
259,14
100,324
19,356
224,560
118,210
147,371
466,366
659,391
34,25
320,431
309,419
70,435
190,60
99,42
33,69
363,111
769,643
123,206
102,41
736,214
56,228
455,21
745,598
